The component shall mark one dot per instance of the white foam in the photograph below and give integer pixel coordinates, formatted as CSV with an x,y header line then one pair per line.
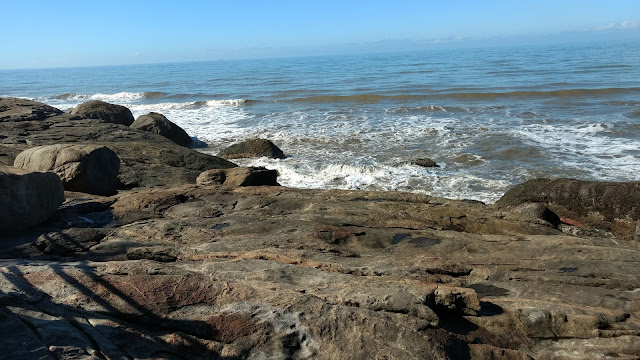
x,y
209,124
302,173
586,148
119,98
226,102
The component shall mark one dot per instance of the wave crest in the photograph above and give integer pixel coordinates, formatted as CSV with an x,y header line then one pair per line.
x,y
478,95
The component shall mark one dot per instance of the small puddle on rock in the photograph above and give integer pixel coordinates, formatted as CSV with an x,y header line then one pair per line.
x,y
398,238
423,242
568,269
220,226
489,290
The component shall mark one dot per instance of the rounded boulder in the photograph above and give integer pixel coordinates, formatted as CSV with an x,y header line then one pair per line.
x,y
109,113
159,124
91,169
239,176
27,198
252,148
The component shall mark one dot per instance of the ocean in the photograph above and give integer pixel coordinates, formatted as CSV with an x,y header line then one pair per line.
x,y
490,117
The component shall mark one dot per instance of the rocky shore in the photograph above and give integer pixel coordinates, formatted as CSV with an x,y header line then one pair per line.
x,y
170,253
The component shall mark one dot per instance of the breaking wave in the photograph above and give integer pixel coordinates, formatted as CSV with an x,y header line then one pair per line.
x,y
524,94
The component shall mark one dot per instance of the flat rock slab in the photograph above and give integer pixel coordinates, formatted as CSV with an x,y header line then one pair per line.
x,y
285,273
16,109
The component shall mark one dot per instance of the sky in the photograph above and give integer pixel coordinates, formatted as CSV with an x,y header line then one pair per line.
x,y
40,34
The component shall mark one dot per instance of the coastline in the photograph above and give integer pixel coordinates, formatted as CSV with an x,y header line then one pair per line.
x,y
268,271
492,118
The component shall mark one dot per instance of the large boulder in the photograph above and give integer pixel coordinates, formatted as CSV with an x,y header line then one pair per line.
x,y
159,124
16,109
607,205
106,112
239,176
27,198
90,169
252,148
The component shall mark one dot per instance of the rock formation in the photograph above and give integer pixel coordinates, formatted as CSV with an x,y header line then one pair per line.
x,y
146,159
15,109
205,271
159,124
609,206
252,148
110,113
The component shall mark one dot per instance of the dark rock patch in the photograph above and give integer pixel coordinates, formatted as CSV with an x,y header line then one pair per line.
x,y
27,198
425,162
160,254
423,242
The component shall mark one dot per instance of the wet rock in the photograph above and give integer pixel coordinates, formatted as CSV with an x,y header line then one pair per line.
x,y
425,162
110,113
252,148
239,176
90,169
27,198
159,124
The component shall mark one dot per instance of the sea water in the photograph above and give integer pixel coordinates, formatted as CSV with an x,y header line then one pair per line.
x,y
490,117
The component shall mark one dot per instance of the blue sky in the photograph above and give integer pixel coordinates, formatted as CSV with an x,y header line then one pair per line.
x,y
86,33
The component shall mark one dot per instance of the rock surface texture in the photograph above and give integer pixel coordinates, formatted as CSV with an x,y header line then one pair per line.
x,y
27,198
214,271
90,169
252,148
159,124
271,272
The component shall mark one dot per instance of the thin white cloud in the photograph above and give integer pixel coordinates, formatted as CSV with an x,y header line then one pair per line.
x,y
625,25
606,27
